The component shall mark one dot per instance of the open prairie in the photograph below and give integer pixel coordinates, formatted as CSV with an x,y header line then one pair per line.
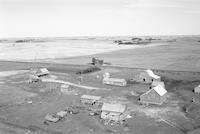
x,y
182,55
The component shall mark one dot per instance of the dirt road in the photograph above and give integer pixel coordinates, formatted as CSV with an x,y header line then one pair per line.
x,y
72,84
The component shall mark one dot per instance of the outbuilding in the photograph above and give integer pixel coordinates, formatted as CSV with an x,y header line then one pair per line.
x,y
197,89
156,95
148,76
96,61
113,112
40,71
114,81
91,99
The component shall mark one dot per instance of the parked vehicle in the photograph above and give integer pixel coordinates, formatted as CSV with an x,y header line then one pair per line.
x,y
52,118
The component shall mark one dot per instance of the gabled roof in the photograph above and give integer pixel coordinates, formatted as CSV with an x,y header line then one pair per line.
x,y
160,90
151,74
91,97
119,108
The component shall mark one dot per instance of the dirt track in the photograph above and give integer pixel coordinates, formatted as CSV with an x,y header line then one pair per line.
x,y
72,84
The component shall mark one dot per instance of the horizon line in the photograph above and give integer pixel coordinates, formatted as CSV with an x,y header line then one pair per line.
x,y
72,36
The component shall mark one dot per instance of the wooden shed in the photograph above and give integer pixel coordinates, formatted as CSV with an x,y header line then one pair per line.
x,y
113,112
147,76
96,61
40,71
91,99
156,95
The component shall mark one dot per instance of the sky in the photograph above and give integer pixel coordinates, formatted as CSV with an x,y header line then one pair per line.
x,y
42,18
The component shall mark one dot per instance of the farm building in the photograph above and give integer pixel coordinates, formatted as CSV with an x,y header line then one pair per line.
x,y
147,76
156,83
156,95
90,99
114,81
197,89
40,72
113,112
96,61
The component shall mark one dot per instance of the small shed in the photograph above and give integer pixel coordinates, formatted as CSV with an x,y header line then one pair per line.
x,y
197,89
156,83
114,81
113,112
148,76
96,61
91,99
41,72
156,95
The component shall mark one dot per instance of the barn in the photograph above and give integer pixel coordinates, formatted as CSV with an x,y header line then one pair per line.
x,y
156,95
113,112
91,99
197,89
147,76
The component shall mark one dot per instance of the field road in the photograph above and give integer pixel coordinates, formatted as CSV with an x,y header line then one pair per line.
x,y
72,84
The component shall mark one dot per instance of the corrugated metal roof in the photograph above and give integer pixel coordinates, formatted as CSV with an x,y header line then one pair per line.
x,y
119,108
92,97
150,73
160,90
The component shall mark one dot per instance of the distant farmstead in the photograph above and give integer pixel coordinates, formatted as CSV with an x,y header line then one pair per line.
x,y
156,95
147,76
96,61
91,99
114,81
197,89
113,112
40,72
